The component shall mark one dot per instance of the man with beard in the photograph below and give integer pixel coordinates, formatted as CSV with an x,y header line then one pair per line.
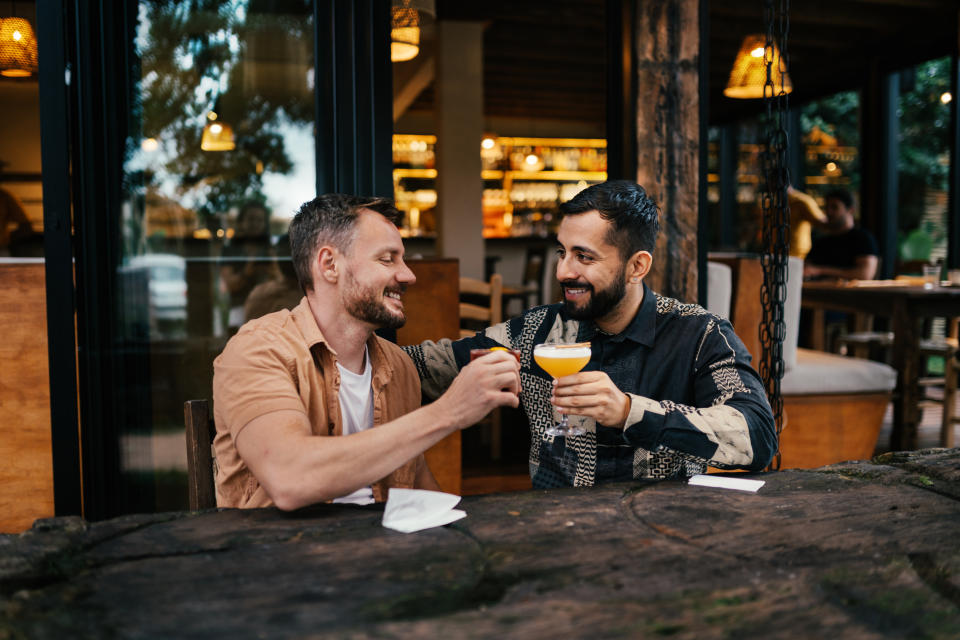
x,y
290,380
668,389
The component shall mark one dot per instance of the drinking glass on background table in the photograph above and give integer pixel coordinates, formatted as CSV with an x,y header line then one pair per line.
x,y
561,360
931,276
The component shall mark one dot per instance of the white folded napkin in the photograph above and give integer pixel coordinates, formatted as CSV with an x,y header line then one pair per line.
x,y
723,482
410,510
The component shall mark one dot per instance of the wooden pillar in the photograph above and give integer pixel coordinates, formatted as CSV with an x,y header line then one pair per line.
x,y
668,136
459,108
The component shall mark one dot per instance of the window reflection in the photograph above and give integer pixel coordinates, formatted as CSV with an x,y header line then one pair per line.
x,y
224,153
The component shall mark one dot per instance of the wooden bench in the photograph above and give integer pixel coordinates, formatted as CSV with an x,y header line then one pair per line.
x,y
833,405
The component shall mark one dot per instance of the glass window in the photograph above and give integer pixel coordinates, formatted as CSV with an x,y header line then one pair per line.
x,y
224,154
830,129
924,161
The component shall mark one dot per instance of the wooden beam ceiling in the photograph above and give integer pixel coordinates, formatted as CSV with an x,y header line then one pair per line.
x,y
548,59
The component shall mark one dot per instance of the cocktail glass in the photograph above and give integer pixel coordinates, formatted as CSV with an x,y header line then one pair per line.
x,y
561,360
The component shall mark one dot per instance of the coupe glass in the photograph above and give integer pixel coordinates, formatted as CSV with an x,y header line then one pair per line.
x,y
561,360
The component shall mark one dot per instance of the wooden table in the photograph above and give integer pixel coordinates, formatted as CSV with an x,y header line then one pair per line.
x,y
849,551
906,305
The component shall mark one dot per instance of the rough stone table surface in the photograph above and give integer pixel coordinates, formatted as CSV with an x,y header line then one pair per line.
x,y
854,550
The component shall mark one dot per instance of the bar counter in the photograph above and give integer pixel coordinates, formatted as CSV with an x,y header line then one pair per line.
x,y
854,550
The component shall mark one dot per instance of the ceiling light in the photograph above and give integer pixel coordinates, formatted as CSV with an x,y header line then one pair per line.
x,y
748,76
18,48
404,32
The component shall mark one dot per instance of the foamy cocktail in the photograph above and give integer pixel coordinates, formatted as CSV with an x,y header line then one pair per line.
x,y
560,360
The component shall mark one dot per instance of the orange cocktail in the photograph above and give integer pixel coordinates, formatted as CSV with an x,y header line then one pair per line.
x,y
560,360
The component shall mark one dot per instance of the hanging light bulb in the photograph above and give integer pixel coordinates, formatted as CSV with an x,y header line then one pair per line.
x,y
404,31
749,73
217,135
18,48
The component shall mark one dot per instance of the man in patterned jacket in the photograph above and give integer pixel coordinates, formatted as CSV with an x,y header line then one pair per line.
x,y
669,388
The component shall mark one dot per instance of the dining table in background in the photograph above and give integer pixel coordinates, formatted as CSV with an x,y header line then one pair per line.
x,y
854,550
907,304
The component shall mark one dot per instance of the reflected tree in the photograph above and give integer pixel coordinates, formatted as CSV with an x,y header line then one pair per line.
x,y
251,60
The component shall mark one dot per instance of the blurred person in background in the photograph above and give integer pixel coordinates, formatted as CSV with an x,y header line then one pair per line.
x,y
247,259
845,251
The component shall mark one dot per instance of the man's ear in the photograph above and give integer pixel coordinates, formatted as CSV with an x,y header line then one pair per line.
x,y
639,266
327,263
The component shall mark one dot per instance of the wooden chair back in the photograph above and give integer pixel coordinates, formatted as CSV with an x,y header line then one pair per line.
x,y
431,306
480,302
200,432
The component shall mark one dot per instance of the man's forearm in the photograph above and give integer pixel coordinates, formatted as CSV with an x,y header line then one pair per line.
x,y
297,468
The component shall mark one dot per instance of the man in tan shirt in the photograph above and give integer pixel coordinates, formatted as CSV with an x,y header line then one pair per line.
x,y
290,380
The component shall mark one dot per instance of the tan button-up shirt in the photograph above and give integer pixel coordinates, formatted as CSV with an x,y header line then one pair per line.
x,y
281,361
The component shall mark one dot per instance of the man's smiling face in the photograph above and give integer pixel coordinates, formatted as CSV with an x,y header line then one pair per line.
x,y
591,271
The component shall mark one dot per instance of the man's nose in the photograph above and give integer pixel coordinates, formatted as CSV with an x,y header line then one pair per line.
x,y
406,275
564,271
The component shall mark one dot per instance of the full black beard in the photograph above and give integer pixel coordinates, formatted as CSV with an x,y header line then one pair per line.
x,y
601,302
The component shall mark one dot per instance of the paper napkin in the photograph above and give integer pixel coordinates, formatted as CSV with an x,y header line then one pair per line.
x,y
410,510
723,482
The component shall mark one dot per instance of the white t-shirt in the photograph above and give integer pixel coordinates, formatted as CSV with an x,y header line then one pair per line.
x,y
356,407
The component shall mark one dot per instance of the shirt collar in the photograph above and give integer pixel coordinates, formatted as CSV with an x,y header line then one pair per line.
x,y
313,336
642,328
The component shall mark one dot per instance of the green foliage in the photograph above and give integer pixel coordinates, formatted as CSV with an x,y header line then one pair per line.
x,y
196,54
924,139
837,115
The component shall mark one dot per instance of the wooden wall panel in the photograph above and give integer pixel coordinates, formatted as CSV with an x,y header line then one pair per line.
x,y
26,474
432,306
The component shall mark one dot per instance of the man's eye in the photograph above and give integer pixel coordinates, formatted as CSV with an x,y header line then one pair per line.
x,y
582,257
387,260
560,253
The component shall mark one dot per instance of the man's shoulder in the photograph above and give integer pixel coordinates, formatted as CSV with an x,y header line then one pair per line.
x,y
673,309
275,332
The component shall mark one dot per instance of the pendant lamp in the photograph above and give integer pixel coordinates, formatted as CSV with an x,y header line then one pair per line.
x,y
748,76
404,31
18,48
217,135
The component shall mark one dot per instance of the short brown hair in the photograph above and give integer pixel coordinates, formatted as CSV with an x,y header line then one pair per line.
x,y
330,219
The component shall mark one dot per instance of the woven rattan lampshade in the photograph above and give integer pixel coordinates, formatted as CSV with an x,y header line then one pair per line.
x,y
18,48
404,32
749,73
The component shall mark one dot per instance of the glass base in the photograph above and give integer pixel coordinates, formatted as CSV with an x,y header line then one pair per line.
x,y
560,430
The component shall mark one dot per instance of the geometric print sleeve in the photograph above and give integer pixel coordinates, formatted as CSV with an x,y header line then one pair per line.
x,y
730,425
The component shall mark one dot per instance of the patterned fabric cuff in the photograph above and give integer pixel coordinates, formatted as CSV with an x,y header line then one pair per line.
x,y
644,422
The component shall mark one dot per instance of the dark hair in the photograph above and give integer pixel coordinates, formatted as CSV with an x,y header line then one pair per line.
x,y
330,219
633,215
843,195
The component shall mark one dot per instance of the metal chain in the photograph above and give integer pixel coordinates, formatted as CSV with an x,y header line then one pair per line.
x,y
776,211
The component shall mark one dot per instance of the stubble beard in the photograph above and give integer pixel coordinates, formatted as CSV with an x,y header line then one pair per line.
x,y
368,305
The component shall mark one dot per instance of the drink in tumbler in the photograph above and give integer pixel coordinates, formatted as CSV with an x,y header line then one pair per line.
x,y
561,360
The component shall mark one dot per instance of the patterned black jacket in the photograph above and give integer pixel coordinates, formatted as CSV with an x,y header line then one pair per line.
x,y
695,398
